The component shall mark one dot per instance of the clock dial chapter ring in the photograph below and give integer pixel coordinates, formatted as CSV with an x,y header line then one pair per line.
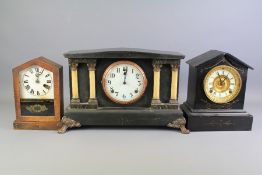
x,y
222,84
124,82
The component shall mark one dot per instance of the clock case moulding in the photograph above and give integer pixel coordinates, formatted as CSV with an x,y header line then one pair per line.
x,y
101,111
205,115
32,119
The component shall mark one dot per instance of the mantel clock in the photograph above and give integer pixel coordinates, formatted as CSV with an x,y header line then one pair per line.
x,y
216,93
123,87
38,91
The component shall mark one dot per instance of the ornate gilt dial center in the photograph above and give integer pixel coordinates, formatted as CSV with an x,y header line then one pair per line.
x,y
222,84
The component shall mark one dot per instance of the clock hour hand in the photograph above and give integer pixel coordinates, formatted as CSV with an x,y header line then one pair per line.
x,y
125,72
42,71
37,75
222,81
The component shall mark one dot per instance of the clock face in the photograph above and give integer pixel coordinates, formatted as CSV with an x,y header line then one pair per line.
x,y
124,82
36,83
222,84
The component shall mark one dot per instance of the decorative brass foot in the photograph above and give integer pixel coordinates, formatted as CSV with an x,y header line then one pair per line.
x,y
67,123
179,123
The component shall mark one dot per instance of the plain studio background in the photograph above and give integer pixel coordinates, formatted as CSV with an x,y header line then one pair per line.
x,y
29,29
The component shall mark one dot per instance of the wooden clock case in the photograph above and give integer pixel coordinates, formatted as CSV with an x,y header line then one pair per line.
x,y
89,105
205,115
39,120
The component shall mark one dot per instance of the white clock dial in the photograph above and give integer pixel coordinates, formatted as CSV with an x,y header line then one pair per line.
x,y
124,82
36,83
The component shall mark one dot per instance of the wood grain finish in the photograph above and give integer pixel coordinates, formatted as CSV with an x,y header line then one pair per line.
x,y
39,122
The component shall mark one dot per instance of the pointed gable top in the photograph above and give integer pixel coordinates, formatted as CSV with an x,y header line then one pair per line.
x,y
199,60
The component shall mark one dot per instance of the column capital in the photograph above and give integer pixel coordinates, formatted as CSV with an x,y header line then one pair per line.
x,y
174,66
157,67
91,64
73,66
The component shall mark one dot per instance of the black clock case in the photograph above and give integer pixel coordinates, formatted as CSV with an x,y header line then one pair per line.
x,y
108,113
205,115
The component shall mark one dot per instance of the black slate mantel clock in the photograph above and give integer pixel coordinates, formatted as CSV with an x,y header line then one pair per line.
x,y
216,93
123,87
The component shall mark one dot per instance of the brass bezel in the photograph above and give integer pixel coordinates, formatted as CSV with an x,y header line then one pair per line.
x,y
229,98
104,82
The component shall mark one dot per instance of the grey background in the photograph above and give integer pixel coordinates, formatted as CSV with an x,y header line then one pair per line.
x,y
29,29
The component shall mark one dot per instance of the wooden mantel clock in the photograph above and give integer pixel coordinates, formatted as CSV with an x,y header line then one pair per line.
x,y
38,91
123,87
216,93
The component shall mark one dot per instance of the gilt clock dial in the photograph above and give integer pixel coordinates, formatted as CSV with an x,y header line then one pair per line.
x,y
124,82
222,84
36,83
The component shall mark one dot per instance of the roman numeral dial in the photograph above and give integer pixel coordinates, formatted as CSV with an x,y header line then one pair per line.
x,y
222,84
36,82
124,82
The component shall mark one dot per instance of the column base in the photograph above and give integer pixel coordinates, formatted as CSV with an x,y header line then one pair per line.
x,y
155,102
92,103
173,101
75,100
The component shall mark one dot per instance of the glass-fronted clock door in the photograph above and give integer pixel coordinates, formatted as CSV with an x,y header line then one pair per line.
x,y
36,91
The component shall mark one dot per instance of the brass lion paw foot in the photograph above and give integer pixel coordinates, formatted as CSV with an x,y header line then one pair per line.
x,y
67,123
179,123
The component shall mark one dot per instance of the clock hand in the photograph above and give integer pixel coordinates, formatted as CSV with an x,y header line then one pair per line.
x,y
42,71
37,79
37,76
220,80
125,75
224,81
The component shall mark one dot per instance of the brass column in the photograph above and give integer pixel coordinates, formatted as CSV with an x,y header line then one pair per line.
x,y
156,88
92,82
174,83
74,83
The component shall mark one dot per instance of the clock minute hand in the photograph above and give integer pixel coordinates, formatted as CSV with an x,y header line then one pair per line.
x,y
42,72
220,79
37,75
37,78
125,75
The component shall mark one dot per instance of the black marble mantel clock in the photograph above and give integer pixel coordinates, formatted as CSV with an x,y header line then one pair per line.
x,y
216,93
123,87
